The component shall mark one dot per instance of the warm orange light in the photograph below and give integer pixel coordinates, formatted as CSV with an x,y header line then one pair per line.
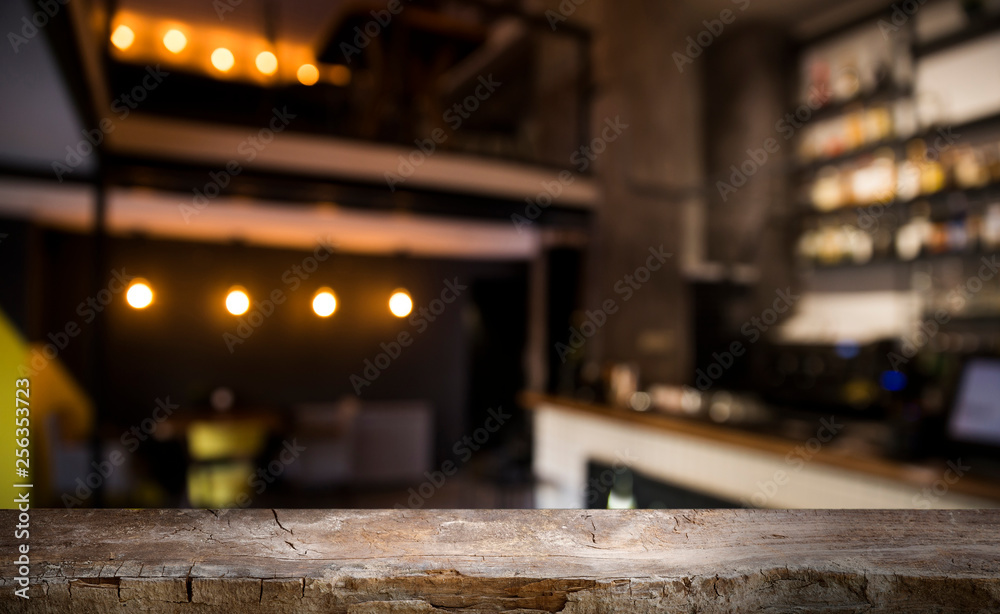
x,y
223,59
237,301
123,37
400,303
266,62
308,74
175,41
340,75
324,303
139,294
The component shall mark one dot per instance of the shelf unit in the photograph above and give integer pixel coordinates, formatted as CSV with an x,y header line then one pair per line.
x,y
951,202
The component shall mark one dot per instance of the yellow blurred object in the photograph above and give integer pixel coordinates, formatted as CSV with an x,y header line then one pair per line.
x,y
219,485
211,440
13,354
55,399
859,392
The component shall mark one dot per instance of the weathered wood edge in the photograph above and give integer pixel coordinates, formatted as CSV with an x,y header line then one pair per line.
x,y
508,561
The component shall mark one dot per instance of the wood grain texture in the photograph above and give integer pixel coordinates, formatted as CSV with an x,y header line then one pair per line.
x,y
515,561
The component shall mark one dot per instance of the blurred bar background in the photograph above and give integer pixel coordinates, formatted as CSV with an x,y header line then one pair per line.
x,y
503,253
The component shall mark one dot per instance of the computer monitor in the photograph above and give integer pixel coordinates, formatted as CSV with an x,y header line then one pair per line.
x,y
975,417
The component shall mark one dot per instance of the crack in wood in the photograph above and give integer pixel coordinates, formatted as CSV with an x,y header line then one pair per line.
x,y
524,561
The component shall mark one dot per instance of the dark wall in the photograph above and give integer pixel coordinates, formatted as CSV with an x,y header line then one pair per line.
x,y
177,348
15,238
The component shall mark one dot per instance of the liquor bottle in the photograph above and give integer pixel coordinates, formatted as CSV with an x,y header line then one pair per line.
x,y
974,230
819,81
831,245
878,125
854,125
860,245
970,171
937,242
875,179
957,233
908,173
932,177
807,247
848,82
827,191
990,235
992,157
914,235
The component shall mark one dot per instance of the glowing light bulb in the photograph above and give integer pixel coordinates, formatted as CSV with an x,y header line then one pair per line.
x,y
266,63
324,303
123,37
237,301
139,294
223,59
308,74
400,303
175,41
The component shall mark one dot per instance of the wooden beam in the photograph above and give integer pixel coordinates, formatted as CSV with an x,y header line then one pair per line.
x,y
524,561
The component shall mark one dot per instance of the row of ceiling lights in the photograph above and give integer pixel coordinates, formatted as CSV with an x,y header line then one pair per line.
x,y
223,60
324,303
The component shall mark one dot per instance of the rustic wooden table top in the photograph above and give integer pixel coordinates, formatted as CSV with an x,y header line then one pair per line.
x,y
524,561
